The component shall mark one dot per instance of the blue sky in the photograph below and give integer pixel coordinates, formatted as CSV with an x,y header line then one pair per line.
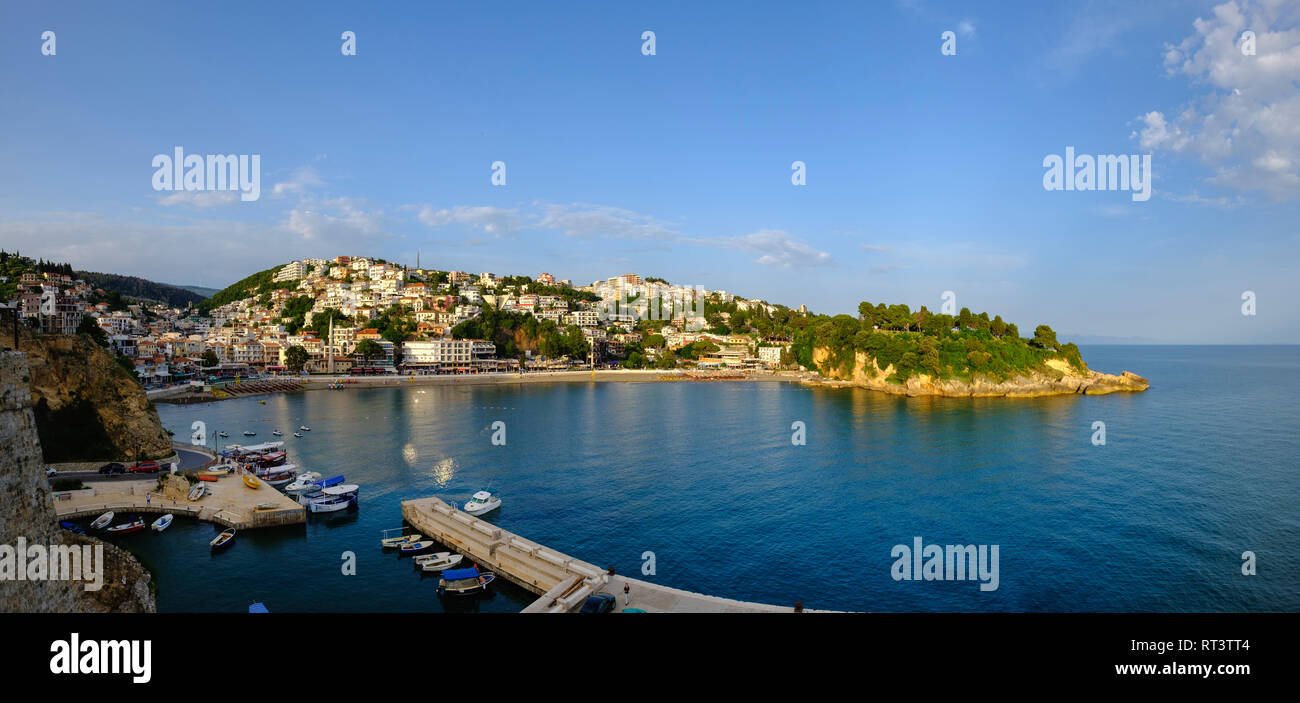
x,y
924,171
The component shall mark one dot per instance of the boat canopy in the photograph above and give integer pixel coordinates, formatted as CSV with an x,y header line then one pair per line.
x,y
257,608
459,574
332,481
341,490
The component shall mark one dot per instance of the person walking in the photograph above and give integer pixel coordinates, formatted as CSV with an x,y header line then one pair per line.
x,y
627,590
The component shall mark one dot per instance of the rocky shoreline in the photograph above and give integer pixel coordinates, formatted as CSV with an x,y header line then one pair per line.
x,y
1058,379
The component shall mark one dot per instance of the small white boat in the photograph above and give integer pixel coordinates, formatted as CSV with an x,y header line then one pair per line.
x,y
162,523
461,582
334,499
395,542
198,491
249,433
223,434
440,561
297,434
417,547
102,521
482,502
303,483
278,433
305,428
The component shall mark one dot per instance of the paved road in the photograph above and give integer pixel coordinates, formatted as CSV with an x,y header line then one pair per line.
x,y
189,459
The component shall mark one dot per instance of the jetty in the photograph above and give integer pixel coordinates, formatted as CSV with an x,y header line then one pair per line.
x,y
562,583
228,502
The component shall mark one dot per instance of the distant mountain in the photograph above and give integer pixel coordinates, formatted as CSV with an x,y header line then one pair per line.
x,y
205,292
135,287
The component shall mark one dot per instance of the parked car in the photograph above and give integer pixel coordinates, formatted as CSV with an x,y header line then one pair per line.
x,y
146,467
112,468
599,603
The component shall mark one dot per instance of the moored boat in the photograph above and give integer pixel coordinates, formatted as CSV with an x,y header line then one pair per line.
x,y
102,521
223,434
305,428
459,582
135,525
482,502
297,434
223,540
278,433
303,483
441,561
162,523
249,433
333,498
72,526
417,547
395,542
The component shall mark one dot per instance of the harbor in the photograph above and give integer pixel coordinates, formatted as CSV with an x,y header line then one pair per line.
x,y
228,502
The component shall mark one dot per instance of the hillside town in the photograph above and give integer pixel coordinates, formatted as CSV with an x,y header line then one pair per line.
x,y
365,316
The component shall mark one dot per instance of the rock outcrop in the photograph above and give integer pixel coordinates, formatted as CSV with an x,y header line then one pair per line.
x,y
71,373
1058,378
27,513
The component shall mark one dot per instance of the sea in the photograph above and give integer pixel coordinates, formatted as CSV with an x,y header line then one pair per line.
x,y
1184,498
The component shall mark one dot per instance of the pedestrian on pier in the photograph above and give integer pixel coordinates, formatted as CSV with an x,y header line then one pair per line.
x,y
627,591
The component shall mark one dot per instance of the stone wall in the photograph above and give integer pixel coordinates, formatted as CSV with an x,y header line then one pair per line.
x,y
26,511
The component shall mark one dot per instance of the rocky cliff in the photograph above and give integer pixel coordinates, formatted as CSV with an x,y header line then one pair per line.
x,y
89,408
26,511
1057,378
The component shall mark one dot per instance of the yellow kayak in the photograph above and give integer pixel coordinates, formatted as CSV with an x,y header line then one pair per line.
x,y
251,481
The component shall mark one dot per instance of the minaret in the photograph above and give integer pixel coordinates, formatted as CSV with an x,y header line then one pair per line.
x,y
331,344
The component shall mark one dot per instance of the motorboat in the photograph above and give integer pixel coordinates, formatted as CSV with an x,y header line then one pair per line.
x,y
440,561
297,434
395,542
223,540
314,492
482,502
249,433
223,434
252,481
280,475
72,526
278,433
303,483
102,521
305,428
459,582
162,523
418,547
333,498
127,528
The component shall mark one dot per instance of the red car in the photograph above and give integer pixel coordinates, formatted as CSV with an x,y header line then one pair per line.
x,y
146,467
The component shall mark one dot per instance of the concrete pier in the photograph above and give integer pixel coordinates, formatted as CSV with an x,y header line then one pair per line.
x,y
229,502
562,582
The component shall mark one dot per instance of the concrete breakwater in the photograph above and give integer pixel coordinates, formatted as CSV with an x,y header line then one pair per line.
x,y
563,582
229,503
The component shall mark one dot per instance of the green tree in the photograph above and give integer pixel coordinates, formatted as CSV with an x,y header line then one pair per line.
x,y
368,349
210,358
89,327
1044,338
295,357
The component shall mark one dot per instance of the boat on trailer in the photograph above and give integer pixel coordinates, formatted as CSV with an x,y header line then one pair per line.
x,y
102,521
223,540
463,582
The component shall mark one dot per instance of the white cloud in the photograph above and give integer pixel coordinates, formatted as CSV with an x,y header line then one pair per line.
x,y
199,198
337,220
299,182
1246,125
775,248
492,220
966,28
598,221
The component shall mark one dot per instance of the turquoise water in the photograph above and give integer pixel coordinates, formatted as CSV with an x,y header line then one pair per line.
x,y
1195,471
